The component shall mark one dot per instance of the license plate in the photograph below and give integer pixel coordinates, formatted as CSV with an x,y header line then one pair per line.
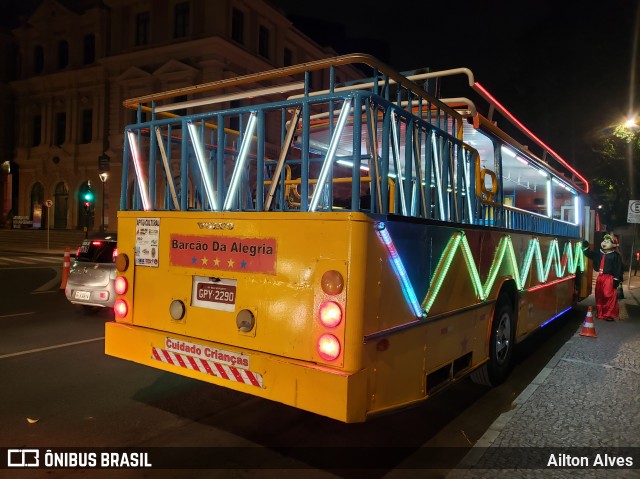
x,y
82,295
213,293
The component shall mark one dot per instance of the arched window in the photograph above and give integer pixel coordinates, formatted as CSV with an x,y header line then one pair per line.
x,y
37,200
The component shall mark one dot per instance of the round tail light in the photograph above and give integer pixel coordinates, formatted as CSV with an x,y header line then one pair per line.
x,y
330,314
328,347
120,308
121,285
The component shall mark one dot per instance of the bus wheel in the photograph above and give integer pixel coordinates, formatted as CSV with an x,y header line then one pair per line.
x,y
502,342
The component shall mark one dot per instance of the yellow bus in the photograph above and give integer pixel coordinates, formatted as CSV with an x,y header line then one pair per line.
x,y
336,237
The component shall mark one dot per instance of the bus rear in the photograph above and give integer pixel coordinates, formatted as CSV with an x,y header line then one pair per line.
x,y
259,303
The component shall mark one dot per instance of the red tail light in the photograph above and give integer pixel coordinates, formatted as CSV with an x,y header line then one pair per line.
x,y
121,285
120,308
330,314
328,347
78,252
96,243
114,254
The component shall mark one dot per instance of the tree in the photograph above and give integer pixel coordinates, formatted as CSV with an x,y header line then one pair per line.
x,y
610,178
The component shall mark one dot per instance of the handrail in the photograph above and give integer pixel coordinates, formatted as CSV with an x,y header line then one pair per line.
x,y
134,103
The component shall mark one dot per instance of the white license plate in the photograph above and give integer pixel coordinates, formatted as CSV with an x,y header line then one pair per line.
x,y
217,294
82,295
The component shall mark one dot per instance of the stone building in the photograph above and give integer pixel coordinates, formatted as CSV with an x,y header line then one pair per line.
x,y
78,60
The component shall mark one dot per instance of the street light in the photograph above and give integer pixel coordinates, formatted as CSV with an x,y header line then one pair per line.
x,y
103,178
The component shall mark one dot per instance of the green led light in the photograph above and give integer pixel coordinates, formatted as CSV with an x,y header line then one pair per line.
x,y
459,240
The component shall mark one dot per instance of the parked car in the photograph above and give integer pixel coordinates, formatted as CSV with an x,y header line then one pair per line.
x,y
93,272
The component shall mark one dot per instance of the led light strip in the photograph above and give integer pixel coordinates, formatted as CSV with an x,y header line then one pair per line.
x,y
331,152
204,171
399,269
133,145
242,157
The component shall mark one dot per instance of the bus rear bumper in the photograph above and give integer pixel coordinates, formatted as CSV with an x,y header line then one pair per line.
x,y
318,389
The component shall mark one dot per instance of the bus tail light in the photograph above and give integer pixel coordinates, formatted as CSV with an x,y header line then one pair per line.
x,y
121,285
328,347
330,314
120,308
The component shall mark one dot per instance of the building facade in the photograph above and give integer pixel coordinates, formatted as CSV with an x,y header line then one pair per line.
x,y
78,60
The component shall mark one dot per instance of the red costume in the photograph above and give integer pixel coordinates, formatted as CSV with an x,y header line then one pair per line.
x,y
608,263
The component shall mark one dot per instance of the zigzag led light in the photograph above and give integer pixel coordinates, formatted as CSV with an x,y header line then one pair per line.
x,y
459,240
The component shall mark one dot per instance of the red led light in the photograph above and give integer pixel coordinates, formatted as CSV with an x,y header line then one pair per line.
x,y
96,243
483,91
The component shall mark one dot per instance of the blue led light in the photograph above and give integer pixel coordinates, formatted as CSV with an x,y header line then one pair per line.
x,y
398,268
555,317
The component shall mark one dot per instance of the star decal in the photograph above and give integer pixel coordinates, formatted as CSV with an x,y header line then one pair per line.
x,y
204,260
243,264
216,262
194,260
230,263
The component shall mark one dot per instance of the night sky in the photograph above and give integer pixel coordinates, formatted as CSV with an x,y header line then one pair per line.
x,y
562,66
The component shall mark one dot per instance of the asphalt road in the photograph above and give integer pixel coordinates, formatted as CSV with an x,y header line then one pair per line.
x,y
59,389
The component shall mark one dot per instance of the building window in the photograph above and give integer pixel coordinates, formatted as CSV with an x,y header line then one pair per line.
x,y
61,128
89,49
181,20
63,54
263,41
87,126
288,57
143,21
237,26
38,59
36,138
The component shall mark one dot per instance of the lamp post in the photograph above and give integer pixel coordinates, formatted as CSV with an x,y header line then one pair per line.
x,y
103,178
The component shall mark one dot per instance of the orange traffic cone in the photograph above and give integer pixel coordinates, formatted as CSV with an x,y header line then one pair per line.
x,y
66,266
588,329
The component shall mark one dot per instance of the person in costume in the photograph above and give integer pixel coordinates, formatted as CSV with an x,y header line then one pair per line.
x,y
608,262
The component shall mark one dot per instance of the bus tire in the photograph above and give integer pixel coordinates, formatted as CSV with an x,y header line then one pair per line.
x,y
501,344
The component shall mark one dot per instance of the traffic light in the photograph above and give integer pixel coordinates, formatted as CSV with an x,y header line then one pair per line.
x,y
88,198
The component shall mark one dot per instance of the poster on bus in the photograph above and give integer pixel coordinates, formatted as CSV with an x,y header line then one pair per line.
x,y
147,235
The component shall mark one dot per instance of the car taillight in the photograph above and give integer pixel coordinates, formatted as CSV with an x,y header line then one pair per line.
x,y
120,308
328,347
330,314
121,285
114,254
96,243
78,252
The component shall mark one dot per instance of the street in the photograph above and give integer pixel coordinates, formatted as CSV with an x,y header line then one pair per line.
x,y
59,389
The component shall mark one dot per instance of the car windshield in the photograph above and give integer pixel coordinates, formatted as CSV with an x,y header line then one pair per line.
x,y
96,251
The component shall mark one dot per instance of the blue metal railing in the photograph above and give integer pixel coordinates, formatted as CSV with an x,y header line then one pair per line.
x,y
378,145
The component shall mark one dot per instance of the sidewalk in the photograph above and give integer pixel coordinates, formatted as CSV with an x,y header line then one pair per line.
x,y
588,396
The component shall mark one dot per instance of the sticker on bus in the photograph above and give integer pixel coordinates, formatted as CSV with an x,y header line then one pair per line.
x,y
214,293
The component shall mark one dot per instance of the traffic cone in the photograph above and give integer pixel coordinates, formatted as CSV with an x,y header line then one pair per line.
x,y
66,266
588,329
